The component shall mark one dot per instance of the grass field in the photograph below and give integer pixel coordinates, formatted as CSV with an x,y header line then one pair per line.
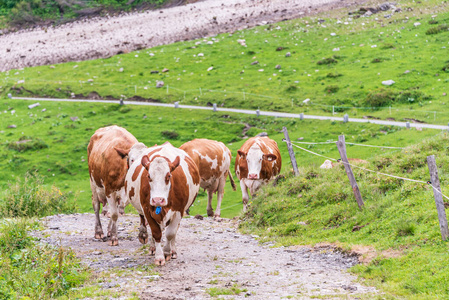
x,y
397,230
55,145
335,61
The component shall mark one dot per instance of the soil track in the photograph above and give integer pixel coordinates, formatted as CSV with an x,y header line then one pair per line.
x,y
105,37
211,255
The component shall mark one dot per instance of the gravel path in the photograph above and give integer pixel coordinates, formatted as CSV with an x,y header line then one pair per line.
x,y
105,37
211,256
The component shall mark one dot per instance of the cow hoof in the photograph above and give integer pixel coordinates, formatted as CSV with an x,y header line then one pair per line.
x,y
143,240
174,255
99,236
159,261
113,242
152,251
210,213
217,218
121,211
167,257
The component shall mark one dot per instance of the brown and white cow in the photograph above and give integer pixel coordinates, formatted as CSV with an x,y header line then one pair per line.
x,y
106,156
213,160
161,188
257,161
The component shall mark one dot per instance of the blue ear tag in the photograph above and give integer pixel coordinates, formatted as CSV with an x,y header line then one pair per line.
x,y
158,210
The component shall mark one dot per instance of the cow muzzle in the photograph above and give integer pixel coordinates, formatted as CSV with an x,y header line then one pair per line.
x,y
158,201
253,176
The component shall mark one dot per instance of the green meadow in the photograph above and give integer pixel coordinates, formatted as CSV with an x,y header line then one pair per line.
x,y
337,61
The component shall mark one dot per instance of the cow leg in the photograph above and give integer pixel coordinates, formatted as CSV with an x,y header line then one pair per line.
x,y
245,196
121,208
210,210
143,233
104,212
156,232
98,229
112,227
220,193
170,233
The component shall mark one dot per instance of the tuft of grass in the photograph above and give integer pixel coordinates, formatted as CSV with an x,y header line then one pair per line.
x,y
171,135
438,29
34,271
327,61
334,75
29,198
26,143
331,89
405,228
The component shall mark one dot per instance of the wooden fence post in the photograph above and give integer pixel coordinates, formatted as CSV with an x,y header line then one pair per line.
x,y
290,151
435,181
342,149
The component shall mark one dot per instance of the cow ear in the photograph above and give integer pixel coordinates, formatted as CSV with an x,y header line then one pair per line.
x,y
270,157
175,164
241,153
145,161
121,152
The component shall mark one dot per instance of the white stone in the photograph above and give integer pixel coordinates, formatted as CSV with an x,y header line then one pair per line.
x,y
326,165
210,69
388,82
306,101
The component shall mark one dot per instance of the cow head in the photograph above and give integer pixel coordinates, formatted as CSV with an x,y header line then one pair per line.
x,y
132,154
254,158
159,176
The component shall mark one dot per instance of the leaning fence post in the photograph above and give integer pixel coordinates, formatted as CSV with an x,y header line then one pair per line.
x,y
355,188
214,106
435,181
290,151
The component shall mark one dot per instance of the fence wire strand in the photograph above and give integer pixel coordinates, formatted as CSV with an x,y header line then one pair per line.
x,y
365,169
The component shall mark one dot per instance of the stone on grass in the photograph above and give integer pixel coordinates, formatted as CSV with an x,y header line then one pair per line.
x,y
326,165
278,67
210,69
306,101
255,62
165,70
288,54
388,82
159,84
12,126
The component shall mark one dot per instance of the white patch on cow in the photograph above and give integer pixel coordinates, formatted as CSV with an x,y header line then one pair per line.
x,y
157,171
208,159
135,152
254,159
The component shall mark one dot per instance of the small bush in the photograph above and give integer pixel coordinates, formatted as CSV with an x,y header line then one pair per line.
x,y
387,46
446,68
438,29
405,228
291,89
377,60
327,61
331,89
171,135
333,75
28,198
379,98
433,22
26,143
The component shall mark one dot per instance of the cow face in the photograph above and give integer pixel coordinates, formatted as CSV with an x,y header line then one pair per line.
x,y
254,158
159,176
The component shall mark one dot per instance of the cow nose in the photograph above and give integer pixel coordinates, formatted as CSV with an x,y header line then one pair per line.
x,y
252,176
158,201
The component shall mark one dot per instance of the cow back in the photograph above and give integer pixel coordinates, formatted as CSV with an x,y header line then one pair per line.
x,y
212,158
106,167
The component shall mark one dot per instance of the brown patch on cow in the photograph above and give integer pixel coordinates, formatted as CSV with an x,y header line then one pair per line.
x,y
105,164
131,193
136,172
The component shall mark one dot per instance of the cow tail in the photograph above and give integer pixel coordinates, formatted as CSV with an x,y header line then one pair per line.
x,y
231,179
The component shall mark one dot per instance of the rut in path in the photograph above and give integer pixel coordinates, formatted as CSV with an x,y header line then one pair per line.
x,y
211,256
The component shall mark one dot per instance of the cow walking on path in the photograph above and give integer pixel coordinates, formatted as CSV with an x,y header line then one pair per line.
x,y
161,188
213,160
257,162
106,156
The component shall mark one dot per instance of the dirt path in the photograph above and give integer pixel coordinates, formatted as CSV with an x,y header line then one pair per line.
x,y
212,256
105,37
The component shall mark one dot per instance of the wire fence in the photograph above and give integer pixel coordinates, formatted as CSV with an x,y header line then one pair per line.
x,y
169,93
369,170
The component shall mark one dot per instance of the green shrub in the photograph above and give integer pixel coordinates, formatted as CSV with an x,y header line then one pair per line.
x,y
171,135
438,29
31,271
27,143
29,198
331,89
405,228
379,98
377,60
333,75
327,61
446,68
291,89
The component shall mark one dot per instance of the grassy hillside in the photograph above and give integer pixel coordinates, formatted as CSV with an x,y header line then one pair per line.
x,y
397,231
336,60
19,13
54,142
